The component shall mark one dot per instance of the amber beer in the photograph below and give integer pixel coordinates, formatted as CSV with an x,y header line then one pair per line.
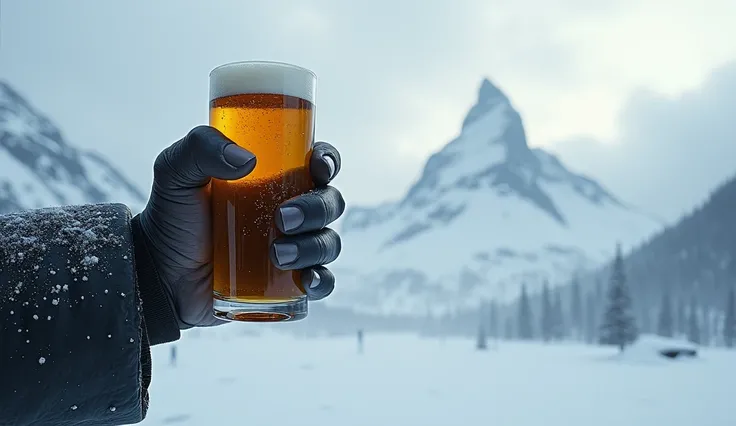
x,y
267,108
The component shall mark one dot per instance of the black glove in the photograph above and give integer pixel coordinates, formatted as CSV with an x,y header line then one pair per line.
x,y
177,229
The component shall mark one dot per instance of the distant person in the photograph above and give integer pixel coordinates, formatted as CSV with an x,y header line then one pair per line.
x,y
360,341
173,356
86,290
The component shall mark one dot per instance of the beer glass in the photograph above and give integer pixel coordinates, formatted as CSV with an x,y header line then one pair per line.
x,y
268,109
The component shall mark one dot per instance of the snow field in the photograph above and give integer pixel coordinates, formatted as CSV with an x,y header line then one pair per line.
x,y
271,379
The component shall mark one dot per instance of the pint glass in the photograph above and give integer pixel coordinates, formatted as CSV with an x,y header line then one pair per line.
x,y
267,108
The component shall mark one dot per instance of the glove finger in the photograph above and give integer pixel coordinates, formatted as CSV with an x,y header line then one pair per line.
x,y
324,163
202,154
318,282
306,250
310,212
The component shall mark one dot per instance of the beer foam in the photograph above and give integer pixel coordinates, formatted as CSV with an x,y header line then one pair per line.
x,y
241,78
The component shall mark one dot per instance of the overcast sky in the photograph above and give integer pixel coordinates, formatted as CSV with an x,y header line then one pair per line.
x,y
638,94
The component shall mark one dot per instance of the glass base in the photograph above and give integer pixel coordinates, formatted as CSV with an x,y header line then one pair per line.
x,y
234,310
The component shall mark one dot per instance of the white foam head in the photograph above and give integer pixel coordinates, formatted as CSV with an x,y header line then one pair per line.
x,y
241,78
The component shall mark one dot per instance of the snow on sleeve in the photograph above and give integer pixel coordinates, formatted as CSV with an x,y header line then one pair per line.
x,y
82,233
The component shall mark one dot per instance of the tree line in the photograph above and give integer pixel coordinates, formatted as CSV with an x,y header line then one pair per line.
x,y
608,315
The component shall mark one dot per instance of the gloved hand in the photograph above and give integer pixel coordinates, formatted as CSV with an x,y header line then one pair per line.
x,y
177,227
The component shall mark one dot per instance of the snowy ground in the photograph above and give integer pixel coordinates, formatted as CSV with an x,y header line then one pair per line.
x,y
224,377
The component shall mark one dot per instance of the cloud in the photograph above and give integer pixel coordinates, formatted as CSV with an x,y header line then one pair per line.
x,y
417,70
671,151
395,78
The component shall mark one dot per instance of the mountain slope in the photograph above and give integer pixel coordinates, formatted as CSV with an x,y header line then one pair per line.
x,y
39,168
693,260
487,214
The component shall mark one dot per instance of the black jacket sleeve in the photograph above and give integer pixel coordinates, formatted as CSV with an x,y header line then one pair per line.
x,y
74,346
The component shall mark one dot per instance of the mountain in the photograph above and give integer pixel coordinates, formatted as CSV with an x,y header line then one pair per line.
x,y
487,214
693,260
39,168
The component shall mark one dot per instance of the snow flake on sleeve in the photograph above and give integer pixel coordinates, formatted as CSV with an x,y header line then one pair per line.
x,y
42,360
29,240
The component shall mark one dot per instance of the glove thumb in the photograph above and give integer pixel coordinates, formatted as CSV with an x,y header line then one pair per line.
x,y
202,154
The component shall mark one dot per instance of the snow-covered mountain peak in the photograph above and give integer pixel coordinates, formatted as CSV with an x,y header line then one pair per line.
x,y
487,210
490,154
489,96
39,168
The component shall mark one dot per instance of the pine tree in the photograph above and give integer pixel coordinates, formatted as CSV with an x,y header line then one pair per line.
x,y
716,321
546,321
558,318
482,343
665,323
619,326
576,310
729,321
675,316
591,314
600,293
493,326
644,319
525,330
681,317
693,326
705,333
508,328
